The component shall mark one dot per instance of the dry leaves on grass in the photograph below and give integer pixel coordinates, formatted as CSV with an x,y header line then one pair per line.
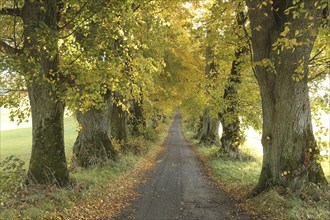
x,y
118,195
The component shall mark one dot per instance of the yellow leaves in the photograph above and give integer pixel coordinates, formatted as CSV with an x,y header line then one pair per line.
x,y
43,9
285,173
262,4
258,28
121,32
108,201
268,64
287,41
285,31
302,5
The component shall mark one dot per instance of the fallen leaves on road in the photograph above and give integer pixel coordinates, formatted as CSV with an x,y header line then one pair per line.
x,y
116,196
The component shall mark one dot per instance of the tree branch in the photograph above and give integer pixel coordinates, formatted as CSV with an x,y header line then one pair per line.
x,y
317,54
7,48
11,11
74,17
135,8
323,73
6,91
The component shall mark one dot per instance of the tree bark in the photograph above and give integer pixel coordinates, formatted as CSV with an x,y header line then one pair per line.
x,y
290,150
231,137
137,121
208,133
94,145
209,127
48,162
119,124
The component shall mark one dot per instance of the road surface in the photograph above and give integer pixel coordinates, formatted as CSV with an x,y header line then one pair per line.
x,y
178,189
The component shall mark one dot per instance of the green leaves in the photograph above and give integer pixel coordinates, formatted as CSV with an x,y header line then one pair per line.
x,y
12,177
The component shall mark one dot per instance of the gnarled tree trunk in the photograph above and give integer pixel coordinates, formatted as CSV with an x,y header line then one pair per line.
x,y
119,124
209,127
47,163
137,121
208,133
231,137
290,150
93,145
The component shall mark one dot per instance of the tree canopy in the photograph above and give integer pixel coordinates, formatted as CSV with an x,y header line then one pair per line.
x,y
128,64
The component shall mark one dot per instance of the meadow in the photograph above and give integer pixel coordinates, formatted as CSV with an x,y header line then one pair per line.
x,y
87,185
17,139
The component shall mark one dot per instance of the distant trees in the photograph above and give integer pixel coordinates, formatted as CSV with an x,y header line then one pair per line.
x,y
223,27
275,46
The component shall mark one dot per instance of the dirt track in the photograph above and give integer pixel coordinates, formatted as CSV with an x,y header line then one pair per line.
x,y
178,189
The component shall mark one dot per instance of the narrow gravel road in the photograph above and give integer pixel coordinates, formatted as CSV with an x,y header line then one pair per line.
x,y
178,189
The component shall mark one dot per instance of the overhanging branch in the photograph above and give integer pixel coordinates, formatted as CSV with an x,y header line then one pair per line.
x,y
7,48
319,75
11,11
75,16
317,54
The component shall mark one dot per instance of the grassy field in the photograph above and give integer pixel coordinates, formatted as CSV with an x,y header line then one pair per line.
x,y
106,188
18,141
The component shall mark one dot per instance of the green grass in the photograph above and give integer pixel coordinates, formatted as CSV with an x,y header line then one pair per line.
x,y
101,175
18,142
47,202
51,202
239,178
40,202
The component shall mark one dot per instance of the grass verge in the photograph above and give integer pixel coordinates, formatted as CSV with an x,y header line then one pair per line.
x,y
95,193
239,177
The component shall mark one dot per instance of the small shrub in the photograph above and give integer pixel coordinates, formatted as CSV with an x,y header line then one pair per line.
x,y
151,134
137,145
12,177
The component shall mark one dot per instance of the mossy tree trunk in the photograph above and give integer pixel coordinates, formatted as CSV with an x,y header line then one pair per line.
x,y
119,123
94,145
231,136
137,121
208,133
290,151
209,127
48,162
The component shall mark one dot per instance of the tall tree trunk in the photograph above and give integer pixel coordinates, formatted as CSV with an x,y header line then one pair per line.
x,y
137,120
290,150
119,124
209,127
231,137
208,133
93,145
48,162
